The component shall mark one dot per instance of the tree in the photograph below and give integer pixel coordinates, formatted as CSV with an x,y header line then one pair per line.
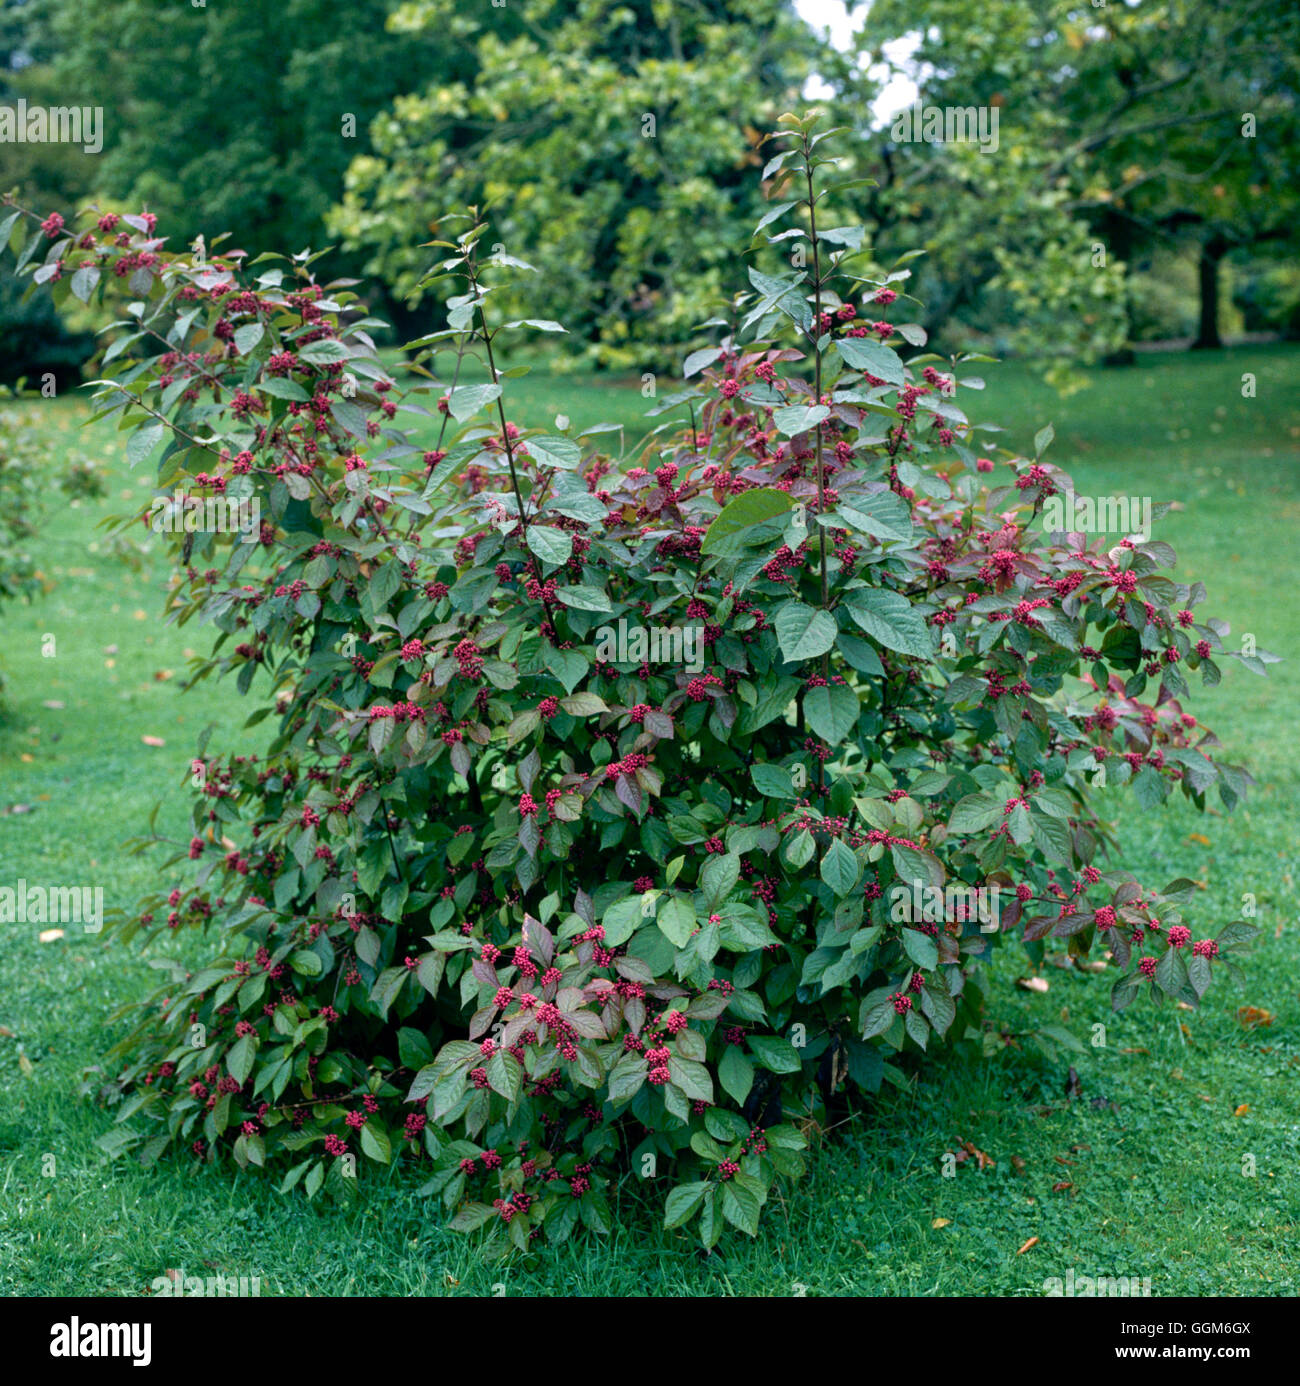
x,y
1163,121
234,116
615,140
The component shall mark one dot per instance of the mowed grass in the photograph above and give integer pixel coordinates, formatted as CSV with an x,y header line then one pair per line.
x,y
1146,1173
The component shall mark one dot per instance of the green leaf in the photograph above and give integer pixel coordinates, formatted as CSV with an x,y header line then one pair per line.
x,y
683,1201
736,1074
799,418
627,1078
831,712
248,336
882,514
583,598
741,516
550,451
466,400
973,812
839,868
889,618
83,280
921,949
872,357
552,546
1051,835
144,440
740,1207
240,1058
505,1075
803,632
375,1143
775,1054
772,781
324,352
676,920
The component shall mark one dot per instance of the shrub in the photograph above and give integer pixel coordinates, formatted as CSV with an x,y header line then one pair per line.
x,y
514,891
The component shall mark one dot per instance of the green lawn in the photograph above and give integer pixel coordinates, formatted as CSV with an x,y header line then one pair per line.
x,y
1149,1159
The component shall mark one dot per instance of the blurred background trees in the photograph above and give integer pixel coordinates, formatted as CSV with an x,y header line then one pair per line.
x,y
1143,186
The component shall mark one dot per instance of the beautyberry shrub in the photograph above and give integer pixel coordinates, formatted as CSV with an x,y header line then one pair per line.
x,y
619,811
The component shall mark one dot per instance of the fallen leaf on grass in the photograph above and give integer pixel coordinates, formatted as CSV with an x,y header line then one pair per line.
x,y
1199,837
25,1064
941,1222
153,740
1242,1110
1250,1016
53,703
49,935
1038,984
1033,1241
7,1033
982,1161
1062,1186
26,757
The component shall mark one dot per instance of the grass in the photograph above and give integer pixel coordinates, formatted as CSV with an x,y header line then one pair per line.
x,y
1140,1175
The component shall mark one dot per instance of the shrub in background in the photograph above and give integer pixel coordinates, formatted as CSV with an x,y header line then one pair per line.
x,y
515,892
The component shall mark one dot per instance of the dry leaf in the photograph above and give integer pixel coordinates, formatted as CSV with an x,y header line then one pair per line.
x,y
1199,837
7,1033
52,703
49,935
1018,1163
1038,984
162,675
1062,1186
982,1161
1033,1241
1250,1016
1242,1110
25,1064
26,757
941,1222
153,740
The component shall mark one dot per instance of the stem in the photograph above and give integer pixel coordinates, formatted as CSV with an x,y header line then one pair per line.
x,y
817,399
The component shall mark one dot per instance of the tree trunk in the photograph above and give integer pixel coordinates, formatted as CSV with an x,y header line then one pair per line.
x,y
1208,274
